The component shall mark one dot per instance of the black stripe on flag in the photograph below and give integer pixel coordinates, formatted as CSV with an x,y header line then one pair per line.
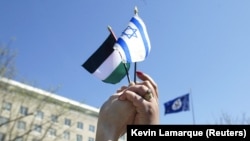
x,y
100,55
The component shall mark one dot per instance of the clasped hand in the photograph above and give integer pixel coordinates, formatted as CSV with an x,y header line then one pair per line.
x,y
133,104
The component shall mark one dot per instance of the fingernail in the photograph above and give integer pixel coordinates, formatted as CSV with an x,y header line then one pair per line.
x,y
139,73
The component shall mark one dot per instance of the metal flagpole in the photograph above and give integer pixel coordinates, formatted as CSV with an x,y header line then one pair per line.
x,y
192,106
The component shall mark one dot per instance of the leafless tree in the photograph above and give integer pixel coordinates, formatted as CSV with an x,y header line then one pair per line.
x,y
7,60
11,118
226,118
35,103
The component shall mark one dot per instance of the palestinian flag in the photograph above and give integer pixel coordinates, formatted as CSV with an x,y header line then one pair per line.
x,y
106,63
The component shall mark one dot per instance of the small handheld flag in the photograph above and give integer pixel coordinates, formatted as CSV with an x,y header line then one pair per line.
x,y
134,44
177,105
106,63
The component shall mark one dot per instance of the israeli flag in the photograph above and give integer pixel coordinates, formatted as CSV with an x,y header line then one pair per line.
x,y
134,44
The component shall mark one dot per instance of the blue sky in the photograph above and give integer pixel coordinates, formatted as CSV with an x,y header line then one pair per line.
x,y
198,46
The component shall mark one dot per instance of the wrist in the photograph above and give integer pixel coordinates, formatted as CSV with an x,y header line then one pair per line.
x,y
106,133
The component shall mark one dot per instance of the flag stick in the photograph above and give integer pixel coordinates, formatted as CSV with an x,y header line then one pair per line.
x,y
136,10
192,106
124,65
135,64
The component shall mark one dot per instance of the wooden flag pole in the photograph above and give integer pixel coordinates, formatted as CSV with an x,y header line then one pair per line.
x,y
124,64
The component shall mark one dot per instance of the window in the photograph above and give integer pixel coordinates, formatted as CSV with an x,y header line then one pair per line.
x,y
52,132
2,136
7,106
37,128
18,139
39,114
4,120
54,118
91,139
21,125
67,122
79,125
78,137
92,128
66,135
23,110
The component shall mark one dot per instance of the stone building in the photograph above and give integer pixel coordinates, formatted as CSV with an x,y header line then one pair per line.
x,y
31,114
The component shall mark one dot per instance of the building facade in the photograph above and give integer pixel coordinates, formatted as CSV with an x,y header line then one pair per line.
x,y
31,114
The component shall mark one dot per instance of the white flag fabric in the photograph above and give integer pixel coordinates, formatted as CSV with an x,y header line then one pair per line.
x,y
106,63
134,44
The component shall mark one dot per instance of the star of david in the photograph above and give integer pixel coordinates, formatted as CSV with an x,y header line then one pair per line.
x,y
130,32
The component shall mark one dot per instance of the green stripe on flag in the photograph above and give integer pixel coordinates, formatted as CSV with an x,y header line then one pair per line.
x,y
118,74
111,67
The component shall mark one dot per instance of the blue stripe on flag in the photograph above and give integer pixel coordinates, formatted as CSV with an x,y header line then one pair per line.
x,y
123,44
138,25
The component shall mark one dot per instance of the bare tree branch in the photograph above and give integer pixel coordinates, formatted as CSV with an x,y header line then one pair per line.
x,y
7,60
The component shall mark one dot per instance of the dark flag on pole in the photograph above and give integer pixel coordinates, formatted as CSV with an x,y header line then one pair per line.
x,y
106,63
178,104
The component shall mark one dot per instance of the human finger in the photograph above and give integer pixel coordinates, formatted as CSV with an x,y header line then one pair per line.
x,y
145,77
147,112
142,91
124,87
150,92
